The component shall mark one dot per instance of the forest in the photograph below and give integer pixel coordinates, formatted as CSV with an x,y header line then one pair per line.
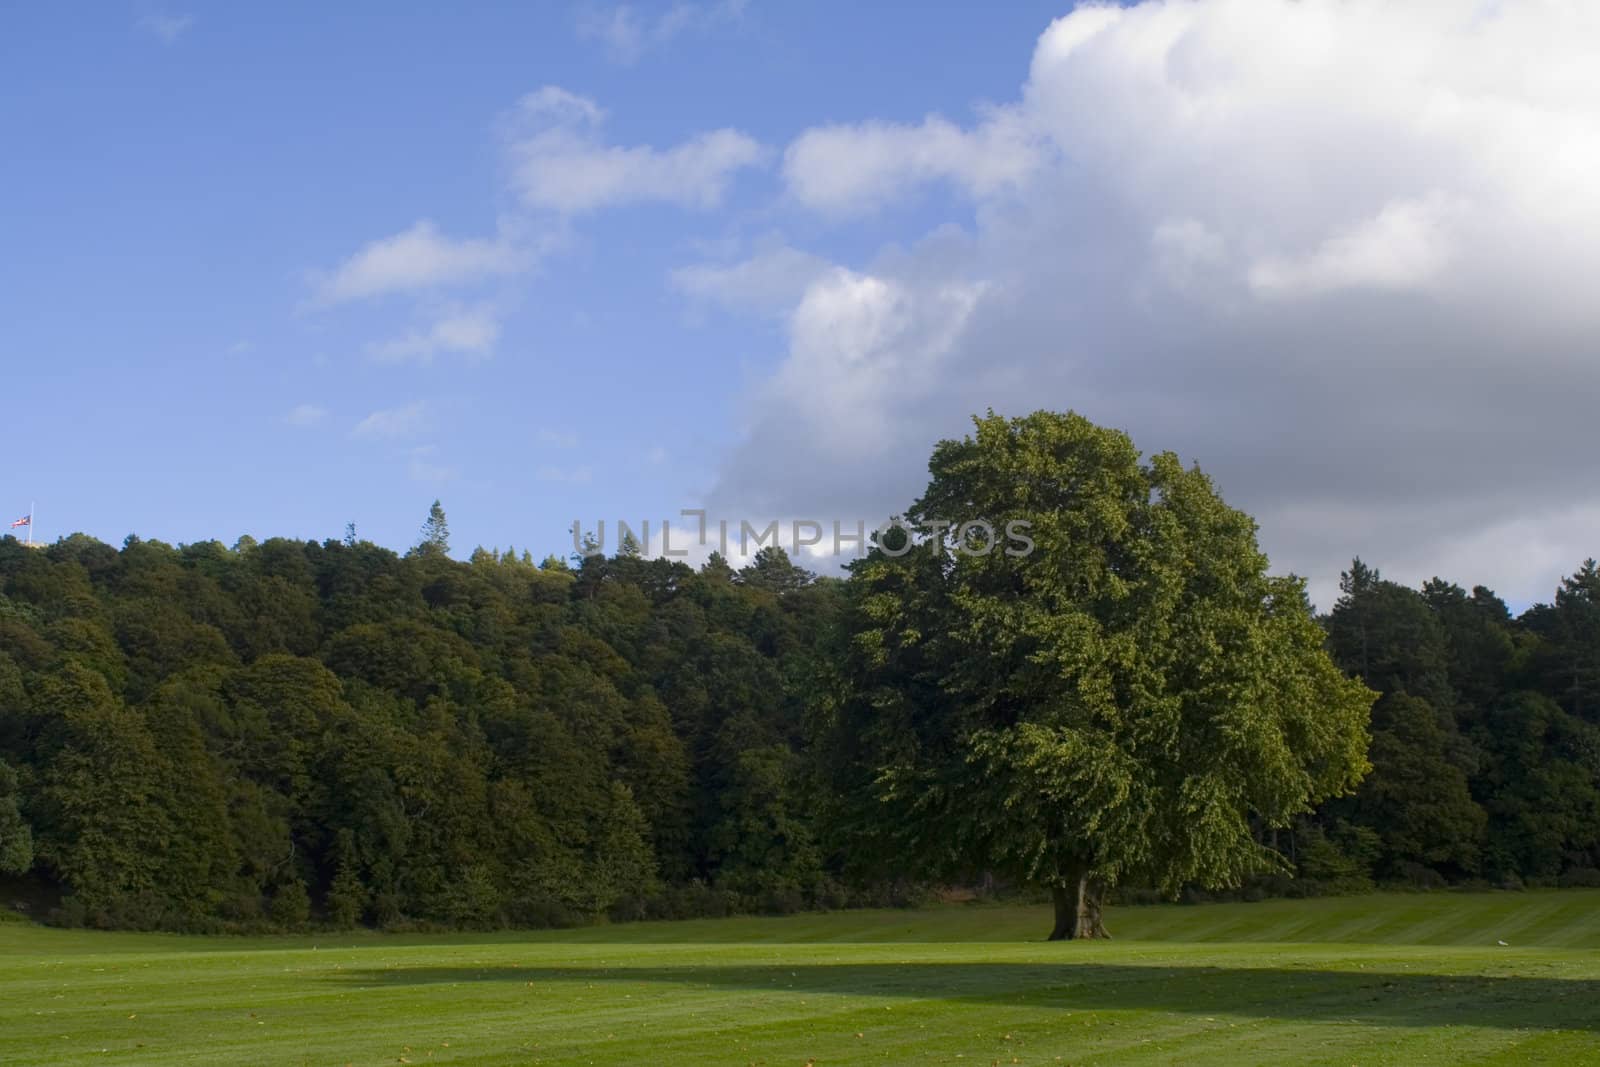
x,y
282,733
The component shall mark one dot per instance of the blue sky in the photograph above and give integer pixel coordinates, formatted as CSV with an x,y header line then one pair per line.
x,y
272,270
171,194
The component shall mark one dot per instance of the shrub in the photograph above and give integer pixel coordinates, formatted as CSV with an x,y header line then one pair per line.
x,y
291,905
1580,878
1417,876
1340,860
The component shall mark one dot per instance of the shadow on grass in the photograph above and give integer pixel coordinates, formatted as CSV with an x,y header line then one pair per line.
x,y
1373,998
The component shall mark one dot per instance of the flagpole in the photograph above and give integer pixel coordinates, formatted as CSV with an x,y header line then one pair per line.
x,y
30,524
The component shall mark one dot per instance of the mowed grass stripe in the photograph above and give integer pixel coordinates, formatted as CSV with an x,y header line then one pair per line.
x,y
1554,918
1557,918
1207,984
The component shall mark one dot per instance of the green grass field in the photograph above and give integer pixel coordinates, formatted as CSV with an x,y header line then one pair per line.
x,y
1359,980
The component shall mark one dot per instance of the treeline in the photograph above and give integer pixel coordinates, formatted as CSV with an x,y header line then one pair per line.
x,y
203,737
1485,742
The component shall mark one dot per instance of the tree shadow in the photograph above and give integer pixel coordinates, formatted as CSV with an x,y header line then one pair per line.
x,y
1373,998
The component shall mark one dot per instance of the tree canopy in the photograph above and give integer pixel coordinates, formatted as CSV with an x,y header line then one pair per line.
x,y
1134,699
198,736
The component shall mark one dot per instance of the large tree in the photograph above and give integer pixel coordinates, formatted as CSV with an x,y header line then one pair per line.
x,y
1133,699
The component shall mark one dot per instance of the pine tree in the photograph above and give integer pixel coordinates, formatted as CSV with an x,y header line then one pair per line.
x,y
347,897
435,536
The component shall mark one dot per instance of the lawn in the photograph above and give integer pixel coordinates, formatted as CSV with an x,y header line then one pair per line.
x,y
1362,980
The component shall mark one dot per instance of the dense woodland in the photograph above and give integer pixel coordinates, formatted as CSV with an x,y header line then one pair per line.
x,y
281,733
205,735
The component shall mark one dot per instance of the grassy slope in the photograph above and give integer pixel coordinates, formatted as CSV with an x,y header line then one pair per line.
x,y
1369,980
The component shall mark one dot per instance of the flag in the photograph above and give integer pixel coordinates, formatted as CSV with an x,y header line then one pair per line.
x,y
26,520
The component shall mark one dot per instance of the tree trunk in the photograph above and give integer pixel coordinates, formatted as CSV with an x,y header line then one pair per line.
x,y
1089,923
1066,902
1077,900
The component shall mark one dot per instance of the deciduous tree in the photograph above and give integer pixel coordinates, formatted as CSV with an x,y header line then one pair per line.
x,y
1124,702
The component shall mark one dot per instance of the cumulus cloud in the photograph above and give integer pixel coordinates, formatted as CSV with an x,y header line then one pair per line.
x,y
866,352
391,423
852,169
770,281
560,161
471,331
1404,246
418,258
1339,253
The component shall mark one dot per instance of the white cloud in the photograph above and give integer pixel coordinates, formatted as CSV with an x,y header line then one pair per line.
x,y
306,415
851,169
621,29
865,352
770,281
555,106
166,26
418,258
1404,246
1338,252
559,161
628,33
392,422
860,343
472,331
